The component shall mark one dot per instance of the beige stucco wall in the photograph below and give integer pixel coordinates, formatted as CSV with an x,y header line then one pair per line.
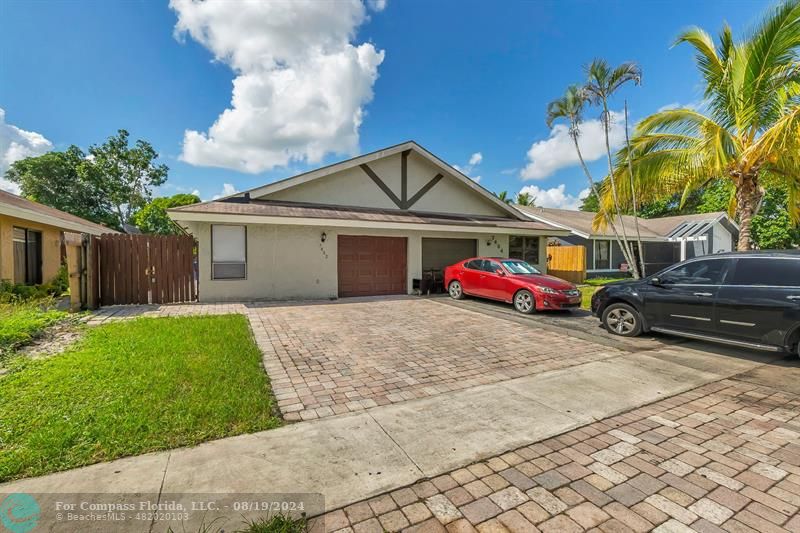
x,y
353,187
51,247
290,262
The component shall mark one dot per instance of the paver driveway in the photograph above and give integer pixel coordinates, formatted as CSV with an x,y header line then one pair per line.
x,y
723,457
345,356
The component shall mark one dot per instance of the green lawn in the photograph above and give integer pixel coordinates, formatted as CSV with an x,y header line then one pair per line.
x,y
586,295
132,387
20,322
591,286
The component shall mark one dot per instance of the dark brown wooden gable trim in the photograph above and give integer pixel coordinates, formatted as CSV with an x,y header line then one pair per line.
x,y
385,188
404,176
403,202
420,193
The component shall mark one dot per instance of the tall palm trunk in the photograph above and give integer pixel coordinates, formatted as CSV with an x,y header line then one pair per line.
x,y
626,251
748,196
593,187
633,198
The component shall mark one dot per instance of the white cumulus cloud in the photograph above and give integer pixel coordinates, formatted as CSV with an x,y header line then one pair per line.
x,y
228,189
301,84
16,144
558,151
556,197
377,5
694,106
468,169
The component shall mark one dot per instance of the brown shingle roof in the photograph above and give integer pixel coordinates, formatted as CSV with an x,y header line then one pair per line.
x,y
274,208
34,211
582,221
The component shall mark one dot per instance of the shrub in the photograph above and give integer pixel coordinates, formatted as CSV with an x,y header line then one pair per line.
x,y
18,292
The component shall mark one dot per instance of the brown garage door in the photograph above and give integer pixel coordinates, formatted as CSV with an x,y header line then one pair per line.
x,y
370,266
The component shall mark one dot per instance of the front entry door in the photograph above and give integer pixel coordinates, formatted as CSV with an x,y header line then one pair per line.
x,y
684,297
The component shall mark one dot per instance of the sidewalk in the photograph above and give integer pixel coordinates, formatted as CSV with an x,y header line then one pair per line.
x,y
350,458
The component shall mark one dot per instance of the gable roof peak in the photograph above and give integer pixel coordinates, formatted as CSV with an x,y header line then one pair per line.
x,y
382,153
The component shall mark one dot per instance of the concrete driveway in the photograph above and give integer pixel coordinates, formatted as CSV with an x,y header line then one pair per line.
x,y
348,356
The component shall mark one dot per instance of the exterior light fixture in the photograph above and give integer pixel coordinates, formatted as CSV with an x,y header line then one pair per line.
x,y
323,237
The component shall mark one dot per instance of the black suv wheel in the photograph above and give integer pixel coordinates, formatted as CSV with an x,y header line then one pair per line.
x,y
622,319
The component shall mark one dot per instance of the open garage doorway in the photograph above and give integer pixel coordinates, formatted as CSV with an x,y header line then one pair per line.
x,y
439,253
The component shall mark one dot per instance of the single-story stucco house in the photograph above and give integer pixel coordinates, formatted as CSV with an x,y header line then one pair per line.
x,y
371,225
666,240
32,238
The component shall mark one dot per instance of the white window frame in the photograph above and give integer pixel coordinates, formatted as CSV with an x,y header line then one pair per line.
x,y
211,239
594,254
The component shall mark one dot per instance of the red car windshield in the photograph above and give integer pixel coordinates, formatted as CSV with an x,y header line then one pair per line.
x,y
520,267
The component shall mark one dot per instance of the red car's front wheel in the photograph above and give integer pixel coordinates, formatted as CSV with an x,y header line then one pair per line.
x,y
524,302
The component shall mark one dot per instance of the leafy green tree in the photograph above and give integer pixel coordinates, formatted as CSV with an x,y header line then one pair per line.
x,y
748,133
716,196
591,203
153,218
772,226
64,180
128,174
106,186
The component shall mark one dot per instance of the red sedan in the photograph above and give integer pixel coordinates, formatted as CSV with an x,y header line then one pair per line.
x,y
511,281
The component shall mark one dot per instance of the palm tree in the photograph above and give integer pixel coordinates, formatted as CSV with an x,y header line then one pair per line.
x,y
570,108
748,131
525,198
503,195
603,82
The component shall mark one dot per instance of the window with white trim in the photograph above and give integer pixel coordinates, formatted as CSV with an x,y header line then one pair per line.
x,y
602,255
228,252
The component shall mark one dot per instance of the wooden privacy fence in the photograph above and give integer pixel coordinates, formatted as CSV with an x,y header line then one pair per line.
x,y
567,262
141,269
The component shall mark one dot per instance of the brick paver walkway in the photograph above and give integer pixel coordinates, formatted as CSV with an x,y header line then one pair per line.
x,y
724,457
344,357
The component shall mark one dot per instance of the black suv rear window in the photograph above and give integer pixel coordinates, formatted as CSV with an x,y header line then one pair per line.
x,y
767,271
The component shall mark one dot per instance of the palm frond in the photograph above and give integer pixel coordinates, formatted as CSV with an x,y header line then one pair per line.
x,y
711,65
568,107
781,142
691,123
773,44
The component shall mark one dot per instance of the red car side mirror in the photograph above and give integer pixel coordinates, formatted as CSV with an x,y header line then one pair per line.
x,y
500,272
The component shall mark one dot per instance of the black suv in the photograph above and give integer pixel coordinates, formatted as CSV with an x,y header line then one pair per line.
x,y
749,299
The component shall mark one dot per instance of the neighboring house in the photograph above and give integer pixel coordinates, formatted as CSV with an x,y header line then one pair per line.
x,y
666,240
372,225
31,238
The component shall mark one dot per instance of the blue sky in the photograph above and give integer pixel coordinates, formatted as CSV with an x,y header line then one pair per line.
x,y
461,78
